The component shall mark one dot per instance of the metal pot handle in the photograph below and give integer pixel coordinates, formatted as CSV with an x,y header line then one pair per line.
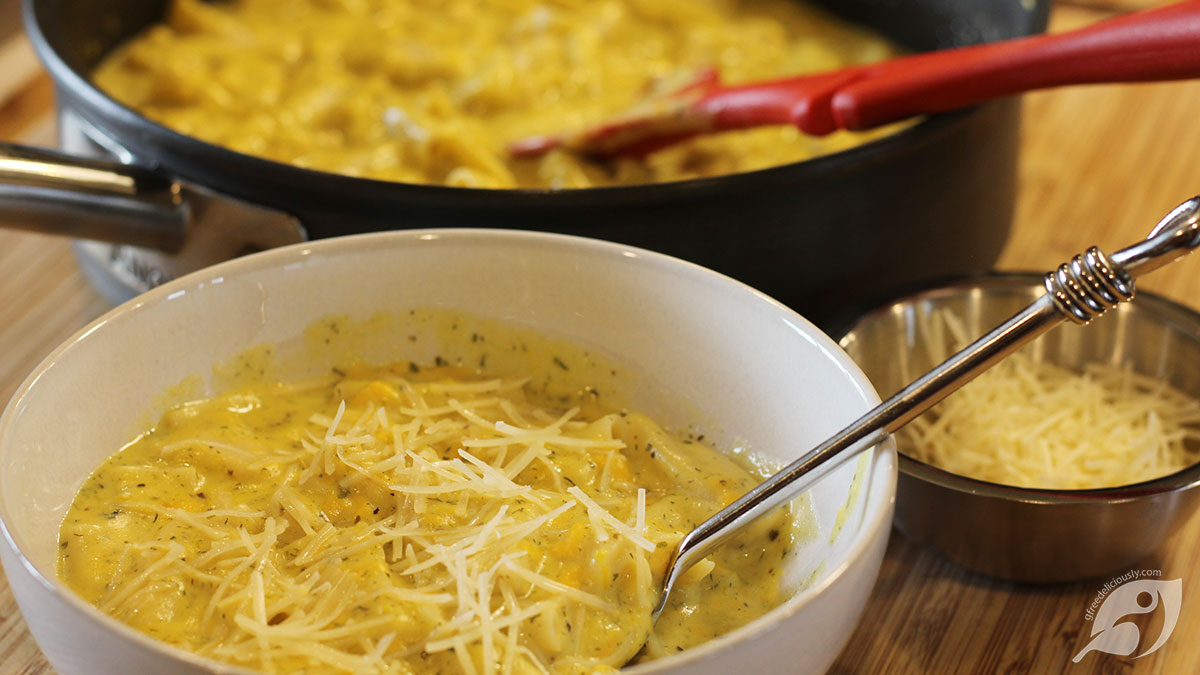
x,y
54,193
169,225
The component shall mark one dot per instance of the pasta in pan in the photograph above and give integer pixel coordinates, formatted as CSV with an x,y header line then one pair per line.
x,y
423,91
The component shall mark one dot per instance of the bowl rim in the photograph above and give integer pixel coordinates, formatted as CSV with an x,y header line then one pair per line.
x,y
1186,478
877,505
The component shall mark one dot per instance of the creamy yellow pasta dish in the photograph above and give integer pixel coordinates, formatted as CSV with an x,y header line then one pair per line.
x,y
424,91
415,520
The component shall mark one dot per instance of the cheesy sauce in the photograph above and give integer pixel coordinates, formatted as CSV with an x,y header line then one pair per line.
x,y
416,520
423,91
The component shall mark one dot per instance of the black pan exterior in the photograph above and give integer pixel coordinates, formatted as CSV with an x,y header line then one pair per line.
x,y
931,201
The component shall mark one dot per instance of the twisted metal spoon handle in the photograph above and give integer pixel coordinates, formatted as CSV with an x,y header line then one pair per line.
x,y
1079,290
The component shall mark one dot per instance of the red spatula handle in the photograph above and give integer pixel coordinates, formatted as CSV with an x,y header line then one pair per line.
x,y
1158,44
804,101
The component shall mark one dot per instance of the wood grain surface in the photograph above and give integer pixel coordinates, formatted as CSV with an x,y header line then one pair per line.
x,y
1099,166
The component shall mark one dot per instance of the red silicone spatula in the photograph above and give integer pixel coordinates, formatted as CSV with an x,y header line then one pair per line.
x,y
1153,45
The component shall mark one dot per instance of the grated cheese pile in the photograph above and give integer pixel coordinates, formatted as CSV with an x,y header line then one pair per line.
x,y
1029,423
408,525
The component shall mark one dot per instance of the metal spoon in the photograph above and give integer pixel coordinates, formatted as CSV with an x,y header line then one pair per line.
x,y
1079,290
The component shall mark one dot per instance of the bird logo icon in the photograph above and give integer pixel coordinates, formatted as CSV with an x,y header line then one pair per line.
x,y
1141,596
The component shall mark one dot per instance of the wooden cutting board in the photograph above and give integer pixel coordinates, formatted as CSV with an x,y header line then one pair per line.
x,y
1100,165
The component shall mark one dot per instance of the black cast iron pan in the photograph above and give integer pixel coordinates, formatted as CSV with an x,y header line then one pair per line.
x,y
933,200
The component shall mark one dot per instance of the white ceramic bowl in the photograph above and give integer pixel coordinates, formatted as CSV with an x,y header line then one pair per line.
x,y
704,349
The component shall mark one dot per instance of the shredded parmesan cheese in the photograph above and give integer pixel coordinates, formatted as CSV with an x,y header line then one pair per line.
x,y
388,524
1029,423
